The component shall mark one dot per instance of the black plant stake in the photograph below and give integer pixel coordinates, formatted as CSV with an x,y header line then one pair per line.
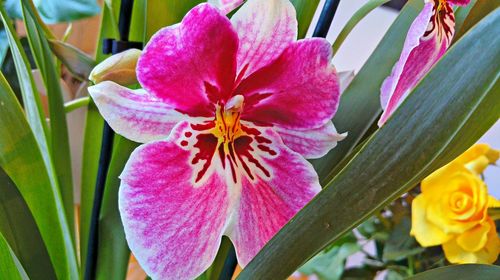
x,y
109,46
326,17
321,30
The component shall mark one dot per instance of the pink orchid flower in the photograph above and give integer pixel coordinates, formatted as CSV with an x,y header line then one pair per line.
x,y
228,112
428,39
225,6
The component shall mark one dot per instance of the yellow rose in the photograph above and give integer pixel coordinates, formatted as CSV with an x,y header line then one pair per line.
x,y
480,244
453,201
452,209
478,157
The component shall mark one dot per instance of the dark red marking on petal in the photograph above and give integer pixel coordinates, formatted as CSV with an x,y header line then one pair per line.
x,y
442,11
212,91
233,171
207,144
203,126
243,149
184,143
222,156
240,76
267,149
188,134
257,135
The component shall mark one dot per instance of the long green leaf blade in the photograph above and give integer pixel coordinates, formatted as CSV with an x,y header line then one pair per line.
x,y
20,231
465,271
10,267
22,161
92,139
161,13
447,112
58,125
114,253
476,11
305,13
354,20
360,103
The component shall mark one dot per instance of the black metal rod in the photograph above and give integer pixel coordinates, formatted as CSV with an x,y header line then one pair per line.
x,y
326,18
104,159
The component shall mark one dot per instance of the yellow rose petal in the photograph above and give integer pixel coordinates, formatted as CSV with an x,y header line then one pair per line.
x,y
477,151
493,202
487,255
426,233
474,239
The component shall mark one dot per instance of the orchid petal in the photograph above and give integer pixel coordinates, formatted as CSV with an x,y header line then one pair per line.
x,y
172,225
191,65
425,43
226,6
299,90
459,2
265,29
269,200
134,114
313,143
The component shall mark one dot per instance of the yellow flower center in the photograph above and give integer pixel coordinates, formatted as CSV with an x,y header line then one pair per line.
x,y
227,120
460,202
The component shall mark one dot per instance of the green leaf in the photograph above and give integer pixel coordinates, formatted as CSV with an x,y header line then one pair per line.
x,y
59,139
161,13
465,271
330,265
215,270
477,11
10,267
23,162
113,250
31,99
461,13
400,244
360,103
354,20
20,231
92,138
54,11
449,110
77,62
494,213
305,13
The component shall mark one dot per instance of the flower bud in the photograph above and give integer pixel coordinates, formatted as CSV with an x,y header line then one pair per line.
x,y
119,68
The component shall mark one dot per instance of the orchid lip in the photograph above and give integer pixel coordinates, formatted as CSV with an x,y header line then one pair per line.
x,y
226,139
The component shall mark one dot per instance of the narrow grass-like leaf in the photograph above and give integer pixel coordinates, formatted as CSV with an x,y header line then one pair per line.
x,y
92,137
22,161
77,62
31,99
445,114
477,11
305,13
58,126
461,12
360,103
113,251
161,13
20,231
10,267
465,271
354,20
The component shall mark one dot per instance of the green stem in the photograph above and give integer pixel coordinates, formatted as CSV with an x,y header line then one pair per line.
x,y
75,104
355,19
